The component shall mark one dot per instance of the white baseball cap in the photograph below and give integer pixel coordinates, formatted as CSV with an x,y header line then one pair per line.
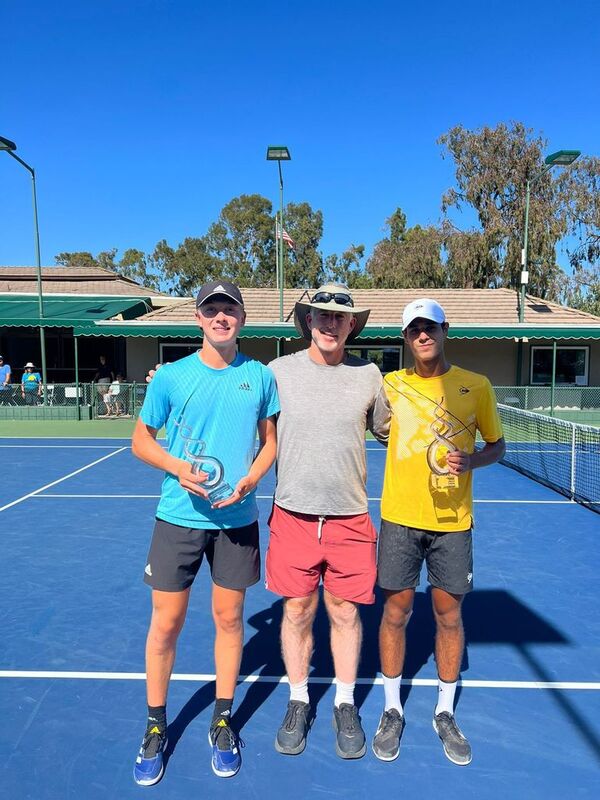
x,y
425,308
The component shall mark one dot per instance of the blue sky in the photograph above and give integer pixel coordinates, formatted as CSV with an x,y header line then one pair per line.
x,y
143,119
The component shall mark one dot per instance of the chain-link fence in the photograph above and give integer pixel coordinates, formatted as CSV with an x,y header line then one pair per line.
x,y
56,400
574,403
104,400
117,399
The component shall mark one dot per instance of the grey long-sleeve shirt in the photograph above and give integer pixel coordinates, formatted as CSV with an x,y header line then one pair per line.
x,y
325,412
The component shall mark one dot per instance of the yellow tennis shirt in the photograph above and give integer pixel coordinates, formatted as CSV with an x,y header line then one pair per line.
x,y
431,416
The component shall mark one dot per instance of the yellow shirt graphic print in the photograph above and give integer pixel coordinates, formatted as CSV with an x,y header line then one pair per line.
x,y
430,417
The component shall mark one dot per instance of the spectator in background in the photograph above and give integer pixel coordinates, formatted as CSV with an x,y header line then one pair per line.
x,y
104,373
113,399
5,376
31,385
104,377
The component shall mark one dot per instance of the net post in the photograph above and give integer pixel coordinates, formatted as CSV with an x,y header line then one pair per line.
x,y
573,456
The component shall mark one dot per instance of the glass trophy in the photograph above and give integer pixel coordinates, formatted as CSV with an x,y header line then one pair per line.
x,y
216,485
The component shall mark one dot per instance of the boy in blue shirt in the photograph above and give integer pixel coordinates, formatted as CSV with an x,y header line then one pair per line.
x,y
212,404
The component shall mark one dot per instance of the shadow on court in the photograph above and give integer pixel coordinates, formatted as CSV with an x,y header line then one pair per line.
x,y
490,617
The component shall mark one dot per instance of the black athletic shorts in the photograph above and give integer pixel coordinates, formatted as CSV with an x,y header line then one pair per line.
x,y
176,554
402,550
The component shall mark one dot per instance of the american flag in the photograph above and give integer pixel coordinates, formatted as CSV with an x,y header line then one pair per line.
x,y
286,237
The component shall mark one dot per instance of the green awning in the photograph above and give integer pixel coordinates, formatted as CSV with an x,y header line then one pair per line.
x,y
173,330
286,330
524,332
67,312
373,332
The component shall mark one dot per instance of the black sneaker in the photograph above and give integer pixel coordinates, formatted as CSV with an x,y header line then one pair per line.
x,y
386,742
226,759
291,736
350,737
456,747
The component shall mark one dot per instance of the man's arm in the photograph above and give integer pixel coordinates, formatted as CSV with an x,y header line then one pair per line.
x,y
460,462
379,417
267,434
147,449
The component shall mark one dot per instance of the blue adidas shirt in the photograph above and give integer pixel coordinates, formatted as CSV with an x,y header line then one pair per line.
x,y
211,417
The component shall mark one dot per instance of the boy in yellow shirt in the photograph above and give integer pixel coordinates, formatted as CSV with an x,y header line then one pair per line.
x,y
427,513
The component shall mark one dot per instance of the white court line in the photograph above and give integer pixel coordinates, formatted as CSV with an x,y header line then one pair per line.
x,y
270,497
60,480
542,502
96,496
202,677
62,446
75,438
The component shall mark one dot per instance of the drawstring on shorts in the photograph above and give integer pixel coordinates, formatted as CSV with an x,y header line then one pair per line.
x,y
320,527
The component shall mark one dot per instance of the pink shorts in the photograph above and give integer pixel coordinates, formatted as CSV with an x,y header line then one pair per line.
x,y
303,548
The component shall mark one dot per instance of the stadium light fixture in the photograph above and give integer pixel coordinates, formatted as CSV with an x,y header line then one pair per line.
x,y
279,153
562,158
6,144
9,147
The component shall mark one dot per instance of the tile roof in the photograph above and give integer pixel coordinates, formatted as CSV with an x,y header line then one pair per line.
x,y
71,280
476,306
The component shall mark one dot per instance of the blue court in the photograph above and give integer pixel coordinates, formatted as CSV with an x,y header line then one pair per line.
x,y
76,518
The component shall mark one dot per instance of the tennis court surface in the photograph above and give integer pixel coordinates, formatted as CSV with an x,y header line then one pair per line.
x,y
76,517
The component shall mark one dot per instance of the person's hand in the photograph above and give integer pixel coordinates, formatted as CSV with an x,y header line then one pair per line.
x,y
458,462
192,481
152,373
244,487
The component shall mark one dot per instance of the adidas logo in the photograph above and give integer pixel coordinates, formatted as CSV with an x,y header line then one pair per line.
x,y
148,570
245,386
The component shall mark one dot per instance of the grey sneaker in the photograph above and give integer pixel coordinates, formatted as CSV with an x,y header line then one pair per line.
x,y
291,736
456,747
350,737
386,743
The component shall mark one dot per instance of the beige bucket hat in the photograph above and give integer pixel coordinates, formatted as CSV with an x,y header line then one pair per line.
x,y
331,297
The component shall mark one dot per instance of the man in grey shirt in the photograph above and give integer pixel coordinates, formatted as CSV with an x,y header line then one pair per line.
x,y
320,526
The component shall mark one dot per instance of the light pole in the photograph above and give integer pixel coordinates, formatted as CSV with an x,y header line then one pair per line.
x,y
279,153
9,147
562,158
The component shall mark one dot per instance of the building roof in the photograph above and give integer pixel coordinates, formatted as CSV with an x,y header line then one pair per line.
x,y
477,306
472,313
73,281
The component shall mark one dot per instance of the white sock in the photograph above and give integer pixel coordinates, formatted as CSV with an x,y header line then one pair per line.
x,y
344,693
299,691
446,692
391,687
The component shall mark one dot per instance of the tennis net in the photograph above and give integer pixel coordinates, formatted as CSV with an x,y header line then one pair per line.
x,y
562,455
